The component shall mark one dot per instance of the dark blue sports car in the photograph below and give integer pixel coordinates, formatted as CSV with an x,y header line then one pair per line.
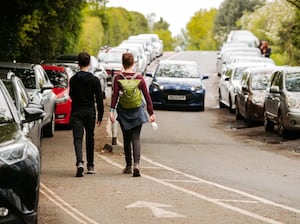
x,y
178,84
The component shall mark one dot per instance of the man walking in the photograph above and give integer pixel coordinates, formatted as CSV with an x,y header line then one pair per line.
x,y
85,89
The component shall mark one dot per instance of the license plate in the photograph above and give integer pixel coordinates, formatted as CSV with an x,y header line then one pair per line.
x,y
176,97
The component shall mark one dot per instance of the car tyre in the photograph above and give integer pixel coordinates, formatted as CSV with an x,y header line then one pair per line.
x,y
268,125
221,105
48,130
238,116
231,110
281,130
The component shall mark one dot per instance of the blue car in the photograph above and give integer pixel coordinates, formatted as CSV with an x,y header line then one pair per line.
x,y
178,84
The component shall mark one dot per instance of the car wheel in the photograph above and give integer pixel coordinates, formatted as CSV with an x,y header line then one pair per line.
x,y
268,125
248,119
281,130
221,105
48,130
231,110
238,116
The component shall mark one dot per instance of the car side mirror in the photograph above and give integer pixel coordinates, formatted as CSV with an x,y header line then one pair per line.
x,y
275,89
33,114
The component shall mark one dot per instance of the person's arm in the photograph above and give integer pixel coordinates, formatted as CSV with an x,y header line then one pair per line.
x,y
147,96
115,93
99,100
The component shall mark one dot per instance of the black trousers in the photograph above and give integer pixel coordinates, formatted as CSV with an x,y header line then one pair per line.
x,y
84,121
132,137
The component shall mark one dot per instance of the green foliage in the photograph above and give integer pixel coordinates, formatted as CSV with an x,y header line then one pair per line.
x,y
36,30
278,23
121,24
200,30
229,13
166,37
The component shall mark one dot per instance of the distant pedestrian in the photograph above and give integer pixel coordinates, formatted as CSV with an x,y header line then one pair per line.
x,y
265,49
130,119
85,91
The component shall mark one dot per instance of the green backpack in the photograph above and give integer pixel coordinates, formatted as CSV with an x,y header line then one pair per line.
x,y
130,96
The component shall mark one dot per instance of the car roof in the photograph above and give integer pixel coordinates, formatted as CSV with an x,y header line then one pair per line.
x,y
288,68
250,64
16,65
186,62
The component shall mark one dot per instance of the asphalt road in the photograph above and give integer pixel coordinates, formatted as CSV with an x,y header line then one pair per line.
x,y
198,167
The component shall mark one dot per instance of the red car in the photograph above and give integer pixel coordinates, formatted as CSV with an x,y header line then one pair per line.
x,y
60,77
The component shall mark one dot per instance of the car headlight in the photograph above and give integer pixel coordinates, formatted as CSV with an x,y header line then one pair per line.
x,y
62,98
293,102
196,88
157,87
259,99
14,154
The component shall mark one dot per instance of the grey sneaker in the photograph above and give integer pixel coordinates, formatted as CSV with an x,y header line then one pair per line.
x,y
80,171
127,170
91,170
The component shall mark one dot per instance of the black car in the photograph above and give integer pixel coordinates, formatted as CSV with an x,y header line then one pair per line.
x,y
39,88
19,164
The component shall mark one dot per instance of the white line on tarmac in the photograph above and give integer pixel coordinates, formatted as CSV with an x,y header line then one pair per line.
x,y
263,200
203,197
77,215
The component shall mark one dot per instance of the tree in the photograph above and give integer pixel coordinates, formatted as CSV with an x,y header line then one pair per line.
x,y
229,13
200,30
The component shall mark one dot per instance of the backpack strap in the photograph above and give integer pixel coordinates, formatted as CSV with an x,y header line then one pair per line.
x,y
132,77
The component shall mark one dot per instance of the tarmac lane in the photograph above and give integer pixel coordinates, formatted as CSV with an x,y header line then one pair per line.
x,y
162,195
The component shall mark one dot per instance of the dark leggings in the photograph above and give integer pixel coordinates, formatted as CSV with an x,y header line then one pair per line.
x,y
132,136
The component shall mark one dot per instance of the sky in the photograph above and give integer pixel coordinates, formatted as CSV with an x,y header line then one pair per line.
x,y
177,13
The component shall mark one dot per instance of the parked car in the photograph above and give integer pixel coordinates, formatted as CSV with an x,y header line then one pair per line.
x,y
282,102
21,99
111,61
230,83
19,163
178,84
70,60
60,77
250,98
39,87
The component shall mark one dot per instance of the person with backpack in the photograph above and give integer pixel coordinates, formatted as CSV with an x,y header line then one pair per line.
x,y
129,89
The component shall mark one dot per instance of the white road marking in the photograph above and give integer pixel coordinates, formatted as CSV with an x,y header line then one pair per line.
x,y
58,201
156,209
263,200
206,198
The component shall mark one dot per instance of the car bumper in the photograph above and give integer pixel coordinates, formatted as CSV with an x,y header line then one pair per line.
x,y
63,113
292,121
19,191
192,100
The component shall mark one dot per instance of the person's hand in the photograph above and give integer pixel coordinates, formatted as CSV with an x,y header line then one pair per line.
x,y
98,123
112,117
152,118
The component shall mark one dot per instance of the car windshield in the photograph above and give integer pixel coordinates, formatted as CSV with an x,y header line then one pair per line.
x,y
58,79
26,75
177,71
238,73
292,82
260,81
5,113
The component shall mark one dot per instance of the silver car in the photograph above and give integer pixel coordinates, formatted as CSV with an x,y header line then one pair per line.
x,y
39,88
282,102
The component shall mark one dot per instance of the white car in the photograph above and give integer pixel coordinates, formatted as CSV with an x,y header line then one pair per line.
x,y
230,83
